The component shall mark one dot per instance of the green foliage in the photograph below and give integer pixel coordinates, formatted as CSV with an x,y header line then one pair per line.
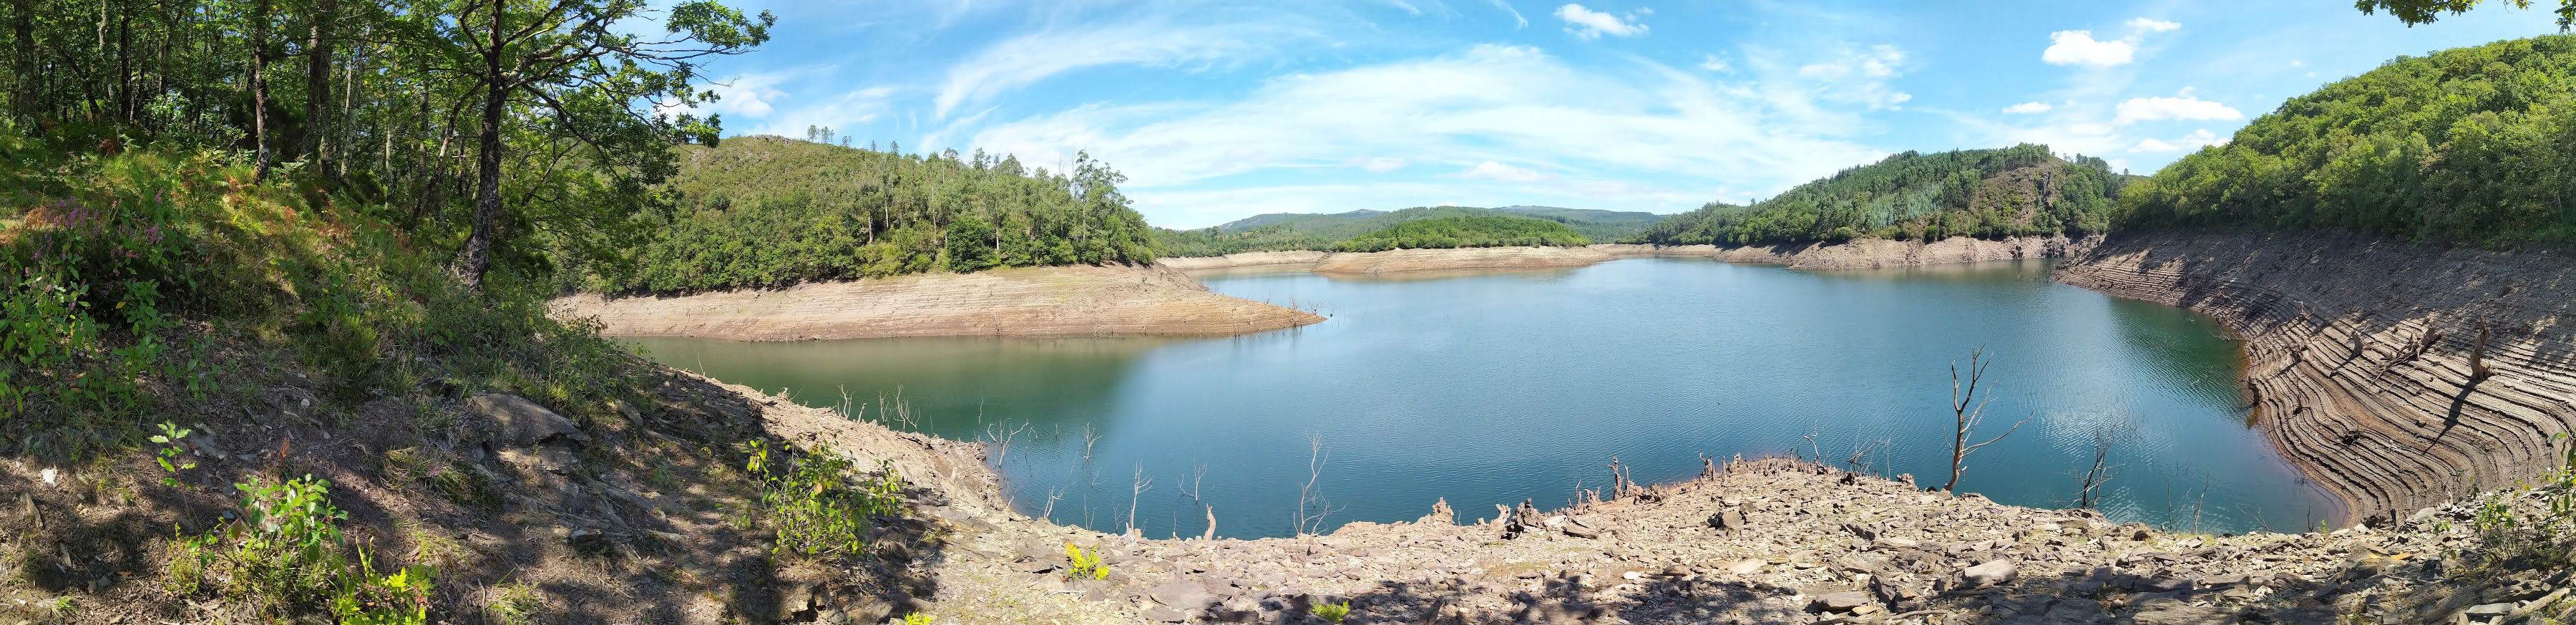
x,y
1298,231
169,451
285,554
916,618
516,604
1334,612
2474,144
2414,12
812,506
127,269
2021,190
1468,231
1084,563
768,211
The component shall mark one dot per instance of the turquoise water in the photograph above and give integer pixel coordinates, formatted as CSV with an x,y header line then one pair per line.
x,y
1490,388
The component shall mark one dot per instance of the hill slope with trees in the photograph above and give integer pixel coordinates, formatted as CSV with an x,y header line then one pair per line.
x,y
2021,190
771,211
2474,143
1465,231
1272,232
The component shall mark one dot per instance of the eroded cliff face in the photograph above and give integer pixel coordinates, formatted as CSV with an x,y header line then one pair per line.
x,y
2399,376
1246,259
1031,301
1867,253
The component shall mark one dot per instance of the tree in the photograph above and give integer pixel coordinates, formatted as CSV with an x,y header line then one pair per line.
x,y
562,61
2414,12
1969,410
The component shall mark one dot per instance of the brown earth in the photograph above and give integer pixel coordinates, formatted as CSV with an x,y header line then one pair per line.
x,y
1246,259
1028,301
1867,253
2399,376
1396,261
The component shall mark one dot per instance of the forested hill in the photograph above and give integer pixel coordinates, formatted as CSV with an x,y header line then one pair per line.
x,y
1310,231
2020,190
767,211
2474,144
1464,231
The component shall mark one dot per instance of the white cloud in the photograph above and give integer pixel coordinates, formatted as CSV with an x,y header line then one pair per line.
x,y
1516,13
1759,130
2077,47
1491,170
1710,62
1027,59
2027,108
2193,141
1860,76
1588,24
1375,164
2153,25
2184,107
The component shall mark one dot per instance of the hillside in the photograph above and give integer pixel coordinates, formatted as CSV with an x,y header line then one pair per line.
x,y
2472,143
2017,191
1465,231
1272,232
769,211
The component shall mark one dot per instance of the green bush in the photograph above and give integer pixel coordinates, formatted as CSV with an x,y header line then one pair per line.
x,y
285,555
812,505
1912,195
1467,231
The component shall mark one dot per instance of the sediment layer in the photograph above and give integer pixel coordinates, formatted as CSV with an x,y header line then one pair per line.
x,y
1868,253
2397,376
1246,259
1030,301
1396,261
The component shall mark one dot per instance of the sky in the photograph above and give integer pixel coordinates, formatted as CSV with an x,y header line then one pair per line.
x,y
1224,109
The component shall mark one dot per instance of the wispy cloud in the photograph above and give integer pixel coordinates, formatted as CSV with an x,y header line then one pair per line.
x,y
1515,13
1027,59
2184,107
1375,164
1588,24
2153,25
2029,108
1490,170
2078,47
2193,141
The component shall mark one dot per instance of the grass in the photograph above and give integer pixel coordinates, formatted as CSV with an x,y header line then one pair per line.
x,y
516,604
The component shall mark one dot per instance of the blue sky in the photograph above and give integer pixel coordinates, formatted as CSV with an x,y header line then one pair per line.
x,y
1225,109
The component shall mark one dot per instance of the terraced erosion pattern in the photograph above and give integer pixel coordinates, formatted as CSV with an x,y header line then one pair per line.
x,y
1033,301
1868,253
2397,376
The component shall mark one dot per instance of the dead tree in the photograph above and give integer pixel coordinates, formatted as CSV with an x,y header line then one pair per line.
x,y
1969,410
2105,435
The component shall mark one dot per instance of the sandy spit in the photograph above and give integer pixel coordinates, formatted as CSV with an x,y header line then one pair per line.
x,y
1029,301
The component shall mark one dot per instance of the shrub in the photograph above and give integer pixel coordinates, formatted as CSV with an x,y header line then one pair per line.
x,y
812,505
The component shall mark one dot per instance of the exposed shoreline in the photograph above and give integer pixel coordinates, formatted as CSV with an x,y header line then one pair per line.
x,y
2360,352
1867,253
1077,300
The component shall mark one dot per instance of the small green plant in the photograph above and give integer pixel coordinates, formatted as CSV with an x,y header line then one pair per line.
x,y
64,606
1334,612
916,618
810,505
169,452
398,599
516,604
1086,563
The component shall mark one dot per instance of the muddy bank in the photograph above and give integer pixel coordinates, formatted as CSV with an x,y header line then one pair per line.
x,y
2398,376
1394,261
1029,301
1247,259
1867,253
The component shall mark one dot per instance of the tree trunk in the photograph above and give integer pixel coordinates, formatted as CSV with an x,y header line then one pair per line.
x,y
259,88
23,71
477,256
317,83
125,65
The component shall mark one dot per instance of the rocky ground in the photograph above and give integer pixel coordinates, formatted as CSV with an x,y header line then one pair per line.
x,y
1027,301
2398,375
1246,259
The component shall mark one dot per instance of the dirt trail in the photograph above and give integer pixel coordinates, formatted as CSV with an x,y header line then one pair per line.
x,y
2365,354
1030,301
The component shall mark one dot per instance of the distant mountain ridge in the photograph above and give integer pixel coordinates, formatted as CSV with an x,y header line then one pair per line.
x,y
1270,232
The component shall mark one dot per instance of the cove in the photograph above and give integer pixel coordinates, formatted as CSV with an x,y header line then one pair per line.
x,y
1491,388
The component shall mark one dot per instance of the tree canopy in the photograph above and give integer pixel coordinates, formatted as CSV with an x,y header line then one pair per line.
x,y
1464,231
2414,12
1272,232
2473,143
2020,190
770,211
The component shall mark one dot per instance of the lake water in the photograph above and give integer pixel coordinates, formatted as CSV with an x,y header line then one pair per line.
x,y
1492,388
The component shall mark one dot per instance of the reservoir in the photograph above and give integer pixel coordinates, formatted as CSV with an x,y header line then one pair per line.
x,y
1495,387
